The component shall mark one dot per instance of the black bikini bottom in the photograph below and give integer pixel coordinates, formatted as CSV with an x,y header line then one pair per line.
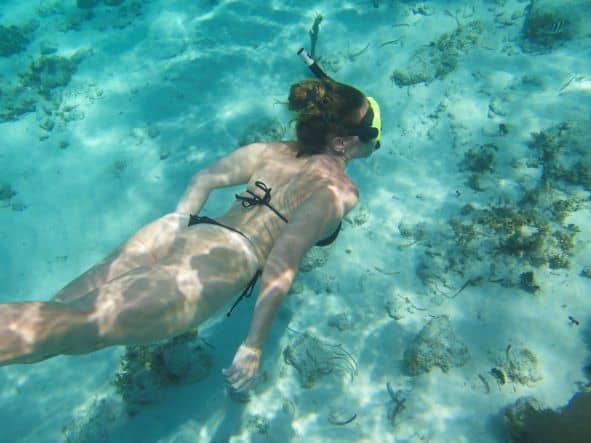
x,y
197,219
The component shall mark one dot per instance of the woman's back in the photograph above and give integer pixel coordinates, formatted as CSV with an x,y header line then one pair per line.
x,y
287,180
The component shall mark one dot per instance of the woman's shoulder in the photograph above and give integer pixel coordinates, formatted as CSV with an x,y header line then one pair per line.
x,y
331,176
309,172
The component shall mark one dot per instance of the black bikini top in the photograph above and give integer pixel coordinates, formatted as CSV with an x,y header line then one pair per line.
x,y
265,200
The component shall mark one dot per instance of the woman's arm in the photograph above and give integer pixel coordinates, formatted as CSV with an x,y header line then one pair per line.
x,y
233,169
318,214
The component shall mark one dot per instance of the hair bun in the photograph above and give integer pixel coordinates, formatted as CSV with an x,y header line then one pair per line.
x,y
308,95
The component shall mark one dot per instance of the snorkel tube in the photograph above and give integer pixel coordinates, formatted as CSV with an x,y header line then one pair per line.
x,y
312,65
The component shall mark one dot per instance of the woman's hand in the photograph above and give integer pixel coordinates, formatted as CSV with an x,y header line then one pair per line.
x,y
241,375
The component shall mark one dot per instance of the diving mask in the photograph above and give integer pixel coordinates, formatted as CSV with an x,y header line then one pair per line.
x,y
370,127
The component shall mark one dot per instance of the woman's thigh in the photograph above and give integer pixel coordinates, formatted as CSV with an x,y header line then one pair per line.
x,y
160,301
205,267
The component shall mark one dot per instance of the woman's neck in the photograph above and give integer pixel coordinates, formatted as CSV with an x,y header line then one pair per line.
x,y
340,160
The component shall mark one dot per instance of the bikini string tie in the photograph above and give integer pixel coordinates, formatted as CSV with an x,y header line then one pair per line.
x,y
255,200
247,291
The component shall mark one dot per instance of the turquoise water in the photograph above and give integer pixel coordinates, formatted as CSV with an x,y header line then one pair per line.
x,y
459,285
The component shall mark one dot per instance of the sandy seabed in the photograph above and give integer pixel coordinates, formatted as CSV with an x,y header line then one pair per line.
x,y
459,285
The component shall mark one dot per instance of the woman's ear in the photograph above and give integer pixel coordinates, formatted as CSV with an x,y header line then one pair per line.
x,y
340,144
336,144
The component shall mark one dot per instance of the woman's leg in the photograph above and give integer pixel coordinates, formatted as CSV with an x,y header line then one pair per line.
x,y
143,249
144,305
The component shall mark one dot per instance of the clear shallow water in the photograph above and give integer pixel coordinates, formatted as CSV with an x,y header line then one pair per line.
x,y
476,207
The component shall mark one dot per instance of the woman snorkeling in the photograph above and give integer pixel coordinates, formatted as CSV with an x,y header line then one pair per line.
x,y
180,269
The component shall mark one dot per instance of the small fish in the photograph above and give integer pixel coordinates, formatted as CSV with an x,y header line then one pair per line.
x,y
499,375
557,27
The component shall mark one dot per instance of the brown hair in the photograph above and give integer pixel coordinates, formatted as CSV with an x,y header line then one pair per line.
x,y
324,109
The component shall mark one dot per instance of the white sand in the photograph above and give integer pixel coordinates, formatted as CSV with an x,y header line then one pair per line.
x,y
199,73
